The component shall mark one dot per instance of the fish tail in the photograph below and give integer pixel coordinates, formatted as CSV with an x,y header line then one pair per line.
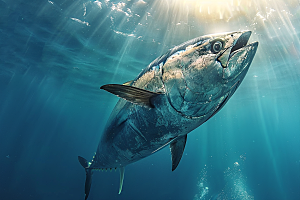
x,y
88,179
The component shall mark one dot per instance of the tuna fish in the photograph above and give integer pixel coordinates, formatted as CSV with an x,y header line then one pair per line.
x,y
174,95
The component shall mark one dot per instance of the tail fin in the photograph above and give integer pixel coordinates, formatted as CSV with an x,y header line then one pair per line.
x,y
88,179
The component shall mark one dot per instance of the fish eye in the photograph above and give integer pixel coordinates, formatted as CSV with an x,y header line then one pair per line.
x,y
216,46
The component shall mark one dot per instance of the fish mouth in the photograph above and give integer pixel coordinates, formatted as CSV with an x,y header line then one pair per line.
x,y
240,56
240,45
241,42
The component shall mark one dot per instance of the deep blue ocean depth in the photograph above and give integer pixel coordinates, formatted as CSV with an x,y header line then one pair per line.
x,y
54,56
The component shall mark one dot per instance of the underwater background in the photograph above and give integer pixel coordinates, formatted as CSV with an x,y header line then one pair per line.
x,y
54,56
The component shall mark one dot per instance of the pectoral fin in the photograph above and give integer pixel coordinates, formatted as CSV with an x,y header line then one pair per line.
x,y
128,83
177,148
132,94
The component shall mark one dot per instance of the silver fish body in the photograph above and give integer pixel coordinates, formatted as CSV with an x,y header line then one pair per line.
x,y
175,94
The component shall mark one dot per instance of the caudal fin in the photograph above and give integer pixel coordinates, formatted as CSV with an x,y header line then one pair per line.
x,y
88,179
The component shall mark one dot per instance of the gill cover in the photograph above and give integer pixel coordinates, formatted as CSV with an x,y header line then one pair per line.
x,y
199,76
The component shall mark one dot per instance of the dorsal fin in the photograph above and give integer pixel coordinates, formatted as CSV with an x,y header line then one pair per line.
x,y
177,148
132,94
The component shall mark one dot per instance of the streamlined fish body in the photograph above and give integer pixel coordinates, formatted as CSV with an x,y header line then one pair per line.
x,y
175,94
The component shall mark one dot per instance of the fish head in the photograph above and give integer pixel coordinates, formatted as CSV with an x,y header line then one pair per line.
x,y
204,73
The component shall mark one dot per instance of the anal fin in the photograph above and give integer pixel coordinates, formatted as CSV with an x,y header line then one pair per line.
x,y
177,148
122,170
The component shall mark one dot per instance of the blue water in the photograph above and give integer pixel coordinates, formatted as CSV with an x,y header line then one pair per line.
x,y
54,56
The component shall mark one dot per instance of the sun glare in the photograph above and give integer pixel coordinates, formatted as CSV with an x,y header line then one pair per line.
x,y
216,9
